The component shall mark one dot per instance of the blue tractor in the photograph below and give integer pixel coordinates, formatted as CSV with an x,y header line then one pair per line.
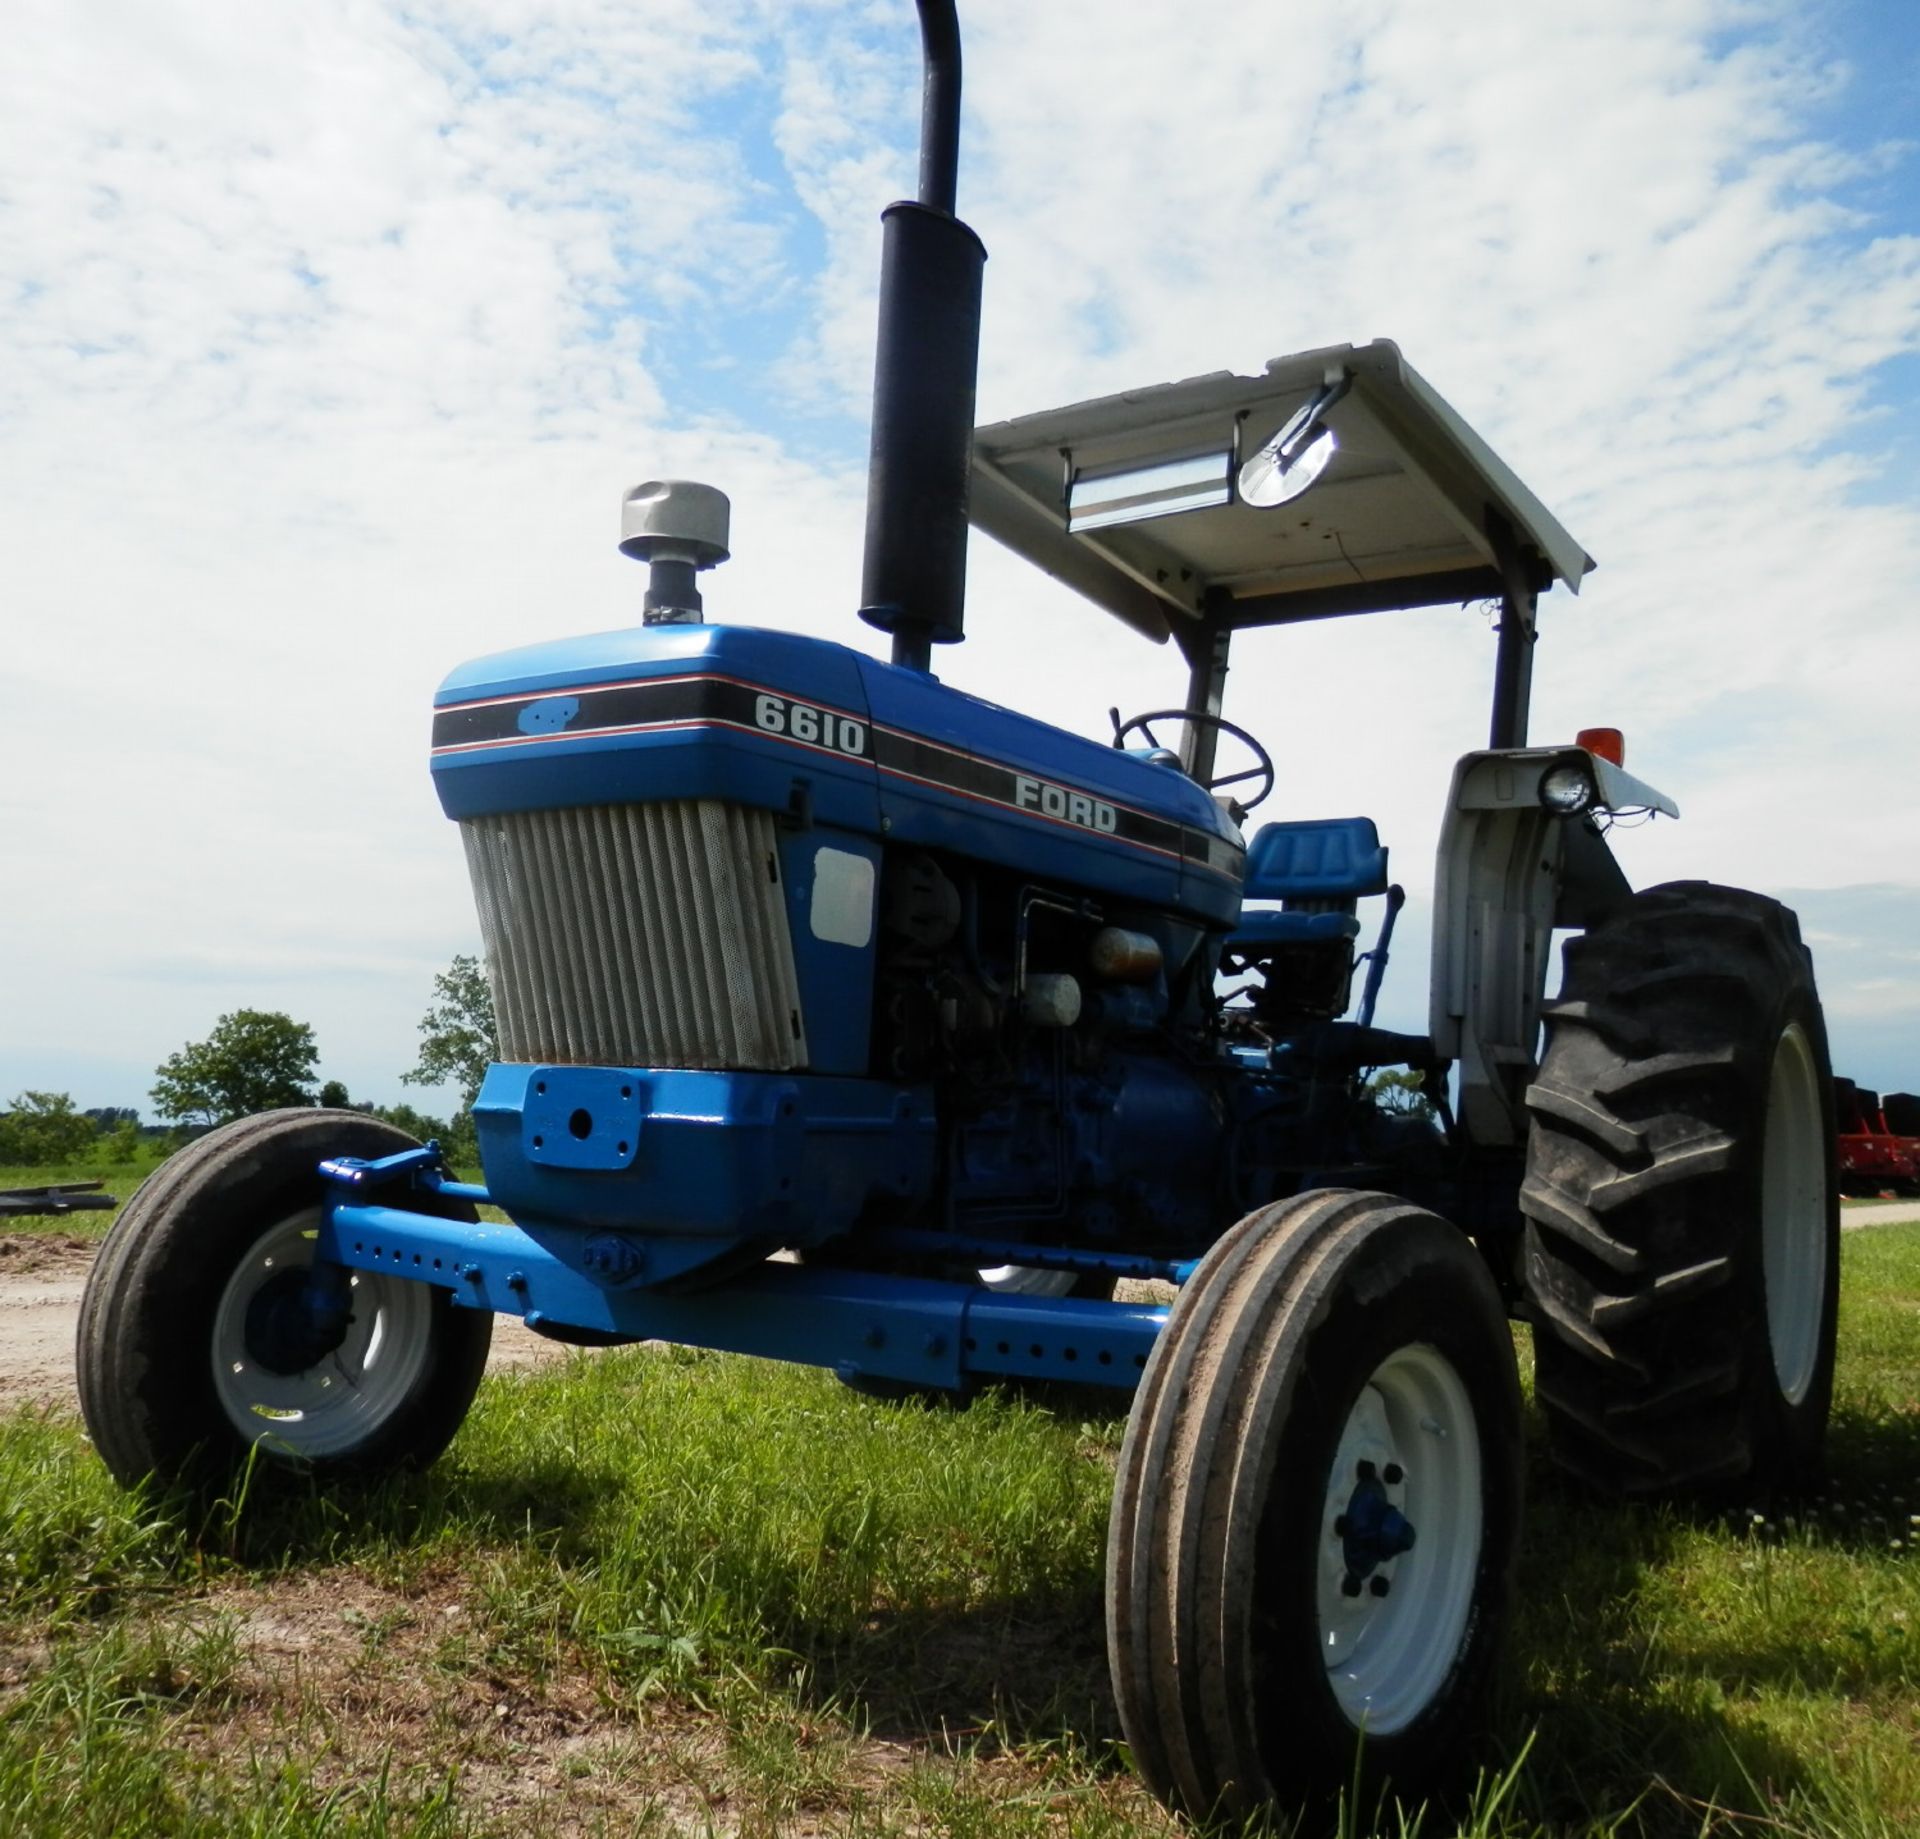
x,y
847,1018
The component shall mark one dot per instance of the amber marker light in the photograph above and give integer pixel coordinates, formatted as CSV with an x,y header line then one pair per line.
x,y
1607,743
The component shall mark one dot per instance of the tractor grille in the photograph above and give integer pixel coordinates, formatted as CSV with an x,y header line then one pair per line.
x,y
637,935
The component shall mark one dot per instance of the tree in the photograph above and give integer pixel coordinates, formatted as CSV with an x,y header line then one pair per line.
x,y
333,1095
44,1128
414,1123
457,1037
1401,1092
121,1145
254,1060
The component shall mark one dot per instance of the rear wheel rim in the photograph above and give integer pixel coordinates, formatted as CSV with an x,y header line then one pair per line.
x,y
1793,1214
1027,1280
1388,1656
345,1398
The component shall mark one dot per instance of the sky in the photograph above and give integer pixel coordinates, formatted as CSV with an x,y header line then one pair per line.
x,y
331,334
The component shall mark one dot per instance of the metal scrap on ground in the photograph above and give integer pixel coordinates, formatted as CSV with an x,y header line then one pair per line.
x,y
58,1197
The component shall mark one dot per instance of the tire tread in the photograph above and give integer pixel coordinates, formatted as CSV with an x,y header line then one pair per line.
x,y
1192,1489
1641,1195
149,1287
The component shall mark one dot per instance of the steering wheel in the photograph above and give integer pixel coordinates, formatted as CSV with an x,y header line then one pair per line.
x,y
1261,769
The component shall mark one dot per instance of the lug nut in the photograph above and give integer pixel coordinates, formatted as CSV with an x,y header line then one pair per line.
x,y
1366,1471
1349,1585
1393,1475
1340,1527
1380,1586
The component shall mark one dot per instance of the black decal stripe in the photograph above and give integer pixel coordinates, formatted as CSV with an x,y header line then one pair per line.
x,y
1039,817
612,707
572,734
665,704
595,734
915,757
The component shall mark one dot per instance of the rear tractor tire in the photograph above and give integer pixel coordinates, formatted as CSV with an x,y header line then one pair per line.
x,y
199,1343
1682,1200
1316,1512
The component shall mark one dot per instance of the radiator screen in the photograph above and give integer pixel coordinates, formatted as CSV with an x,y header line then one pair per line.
x,y
638,935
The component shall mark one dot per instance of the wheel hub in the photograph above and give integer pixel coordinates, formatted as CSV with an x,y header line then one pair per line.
x,y
1372,1531
295,1320
1395,1597
315,1356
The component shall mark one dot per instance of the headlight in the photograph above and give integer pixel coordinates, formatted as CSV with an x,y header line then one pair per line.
x,y
1567,790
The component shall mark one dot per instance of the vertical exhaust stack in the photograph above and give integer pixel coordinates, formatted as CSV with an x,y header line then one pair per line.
x,y
926,360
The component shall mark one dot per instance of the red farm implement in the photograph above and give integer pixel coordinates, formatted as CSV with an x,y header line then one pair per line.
x,y
1879,1140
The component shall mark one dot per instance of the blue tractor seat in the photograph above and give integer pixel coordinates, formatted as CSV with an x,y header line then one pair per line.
x,y
1303,950
1320,858
1275,926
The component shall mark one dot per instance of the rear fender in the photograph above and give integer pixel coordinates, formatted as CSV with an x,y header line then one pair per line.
x,y
1509,872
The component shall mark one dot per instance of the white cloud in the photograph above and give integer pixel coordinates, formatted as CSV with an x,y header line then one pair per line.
x,y
335,330
1621,255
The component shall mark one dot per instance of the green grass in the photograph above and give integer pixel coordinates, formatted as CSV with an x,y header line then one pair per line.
x,y
671,1592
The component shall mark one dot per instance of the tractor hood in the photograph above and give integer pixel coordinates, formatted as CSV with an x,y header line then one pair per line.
x,y
824,734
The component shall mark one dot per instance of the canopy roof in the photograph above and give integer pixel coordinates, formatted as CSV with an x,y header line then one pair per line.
x,y
1411,509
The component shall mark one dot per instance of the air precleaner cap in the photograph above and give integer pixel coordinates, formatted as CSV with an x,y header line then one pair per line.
x,y
677,527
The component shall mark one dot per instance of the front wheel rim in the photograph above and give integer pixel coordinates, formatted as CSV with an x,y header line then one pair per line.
x,y
1793,1214
1411,1435
346,1397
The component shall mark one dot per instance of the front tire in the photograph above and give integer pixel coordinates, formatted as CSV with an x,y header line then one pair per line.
x,y
183,1357
1314,1522
1682,1194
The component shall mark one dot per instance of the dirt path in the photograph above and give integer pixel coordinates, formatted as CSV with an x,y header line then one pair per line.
x,y
1878,1213
41,1279
40,1284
